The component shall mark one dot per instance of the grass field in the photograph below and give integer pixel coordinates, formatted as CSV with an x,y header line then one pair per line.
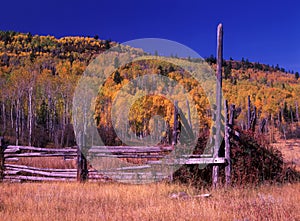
x,y
99,201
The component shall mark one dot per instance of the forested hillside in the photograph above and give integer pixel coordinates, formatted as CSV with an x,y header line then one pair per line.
x,y
38,75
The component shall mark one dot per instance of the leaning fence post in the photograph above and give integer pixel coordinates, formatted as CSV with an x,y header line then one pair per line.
x,y
1,158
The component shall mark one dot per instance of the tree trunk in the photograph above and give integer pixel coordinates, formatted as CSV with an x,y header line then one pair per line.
x,y
297,111
189,114
4,117
249,114
17,120
30,115
253,119
11,115
292,117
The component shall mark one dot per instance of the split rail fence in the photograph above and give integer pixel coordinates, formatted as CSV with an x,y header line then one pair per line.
x,y
11,170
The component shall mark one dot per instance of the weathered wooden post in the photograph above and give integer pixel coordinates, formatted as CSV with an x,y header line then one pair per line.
x,y
218,102
227,145
175,127
82,171
1,158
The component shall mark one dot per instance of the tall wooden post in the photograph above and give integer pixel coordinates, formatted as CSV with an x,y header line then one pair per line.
x,y
82,171
229,121
175,127
218,102
227,144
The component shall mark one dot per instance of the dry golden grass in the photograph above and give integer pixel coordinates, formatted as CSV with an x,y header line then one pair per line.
x,y
290,150
99,201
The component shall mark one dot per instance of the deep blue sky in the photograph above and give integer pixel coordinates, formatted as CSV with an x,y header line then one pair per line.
x,y
263,31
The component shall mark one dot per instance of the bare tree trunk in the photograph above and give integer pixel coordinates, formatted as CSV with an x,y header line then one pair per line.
x,y
297,111
292,117
30,115
11,115
23,121
249,114
189,114
17,121
218,103
253,119
279,119
4,116
232,113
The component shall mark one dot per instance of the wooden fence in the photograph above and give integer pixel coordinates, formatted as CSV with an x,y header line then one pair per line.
x,y
11,170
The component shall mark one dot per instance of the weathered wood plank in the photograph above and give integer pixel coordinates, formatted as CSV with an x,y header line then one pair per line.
x,y
182,161
129,156
61,154
12,150
35,178
15,159
47,174
37,168
128,149
39,149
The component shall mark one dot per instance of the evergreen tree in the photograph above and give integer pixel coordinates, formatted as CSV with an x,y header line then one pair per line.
x,y
117,77
297,75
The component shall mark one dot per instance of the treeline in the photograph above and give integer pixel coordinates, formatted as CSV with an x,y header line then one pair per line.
x,y
38,76
71,48
245,64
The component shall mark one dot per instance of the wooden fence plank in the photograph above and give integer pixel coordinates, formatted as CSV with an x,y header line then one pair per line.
x,y
61,154
35,178
46,174
39,149
37,168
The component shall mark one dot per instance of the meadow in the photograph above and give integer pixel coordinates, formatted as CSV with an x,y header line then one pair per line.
x,y
113,201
